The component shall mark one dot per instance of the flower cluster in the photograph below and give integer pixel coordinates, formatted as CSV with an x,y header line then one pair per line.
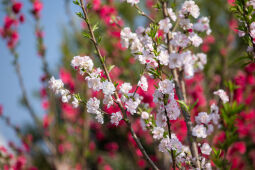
x,y
57,86
9,31
141,43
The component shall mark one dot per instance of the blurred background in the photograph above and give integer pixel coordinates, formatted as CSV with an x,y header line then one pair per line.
x,y
53,19
75,135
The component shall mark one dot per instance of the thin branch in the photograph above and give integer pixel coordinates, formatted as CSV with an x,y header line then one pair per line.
x,y
140,11
191,139
146,156
24,92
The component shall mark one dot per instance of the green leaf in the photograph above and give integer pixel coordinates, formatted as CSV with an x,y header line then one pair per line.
x,y
99,39
76,2
87,35
116,84
183,104
89,6
95,27
110,68
79,14
193,105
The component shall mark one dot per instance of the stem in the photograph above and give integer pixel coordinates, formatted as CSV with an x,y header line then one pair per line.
x,y
170,136
191,139
93,39
140,11
24,92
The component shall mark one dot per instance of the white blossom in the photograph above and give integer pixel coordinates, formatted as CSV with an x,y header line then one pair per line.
x,y
208,166
75,102
199,131
99,117
65,95
94,83
222,94
56,85
93,105
185,24
195,39
145,115
143,83
132,105
175,60
166,87
179,40
202,117
158,132
241,33
132,2
164,57
108,100
202,25
173,111
201,60
82,63
189,7
125,88
161,119
108,88
164,145
165,25
116,118
167,144
206,149
171,14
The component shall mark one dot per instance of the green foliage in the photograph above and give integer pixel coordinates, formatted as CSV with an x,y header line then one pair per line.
x,y
76,2
79,14
229,114
245,16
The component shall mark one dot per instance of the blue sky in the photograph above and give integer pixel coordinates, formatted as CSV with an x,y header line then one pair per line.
x,y
53,19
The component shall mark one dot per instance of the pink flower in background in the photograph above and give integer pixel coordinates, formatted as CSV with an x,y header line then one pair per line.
x,y
37,7
16,7
231,2
1,110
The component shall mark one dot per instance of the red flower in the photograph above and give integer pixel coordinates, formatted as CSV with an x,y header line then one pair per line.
x,y
45,104
37,7
107,167
231,2
219,138
1,110
8,22
141,163
21,18
46,121
16,7
238,147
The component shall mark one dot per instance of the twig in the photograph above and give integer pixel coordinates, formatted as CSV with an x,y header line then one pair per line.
x,y
115,94
140,11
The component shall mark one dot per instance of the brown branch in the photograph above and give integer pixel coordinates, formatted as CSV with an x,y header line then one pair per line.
x,y
140,146
191,139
